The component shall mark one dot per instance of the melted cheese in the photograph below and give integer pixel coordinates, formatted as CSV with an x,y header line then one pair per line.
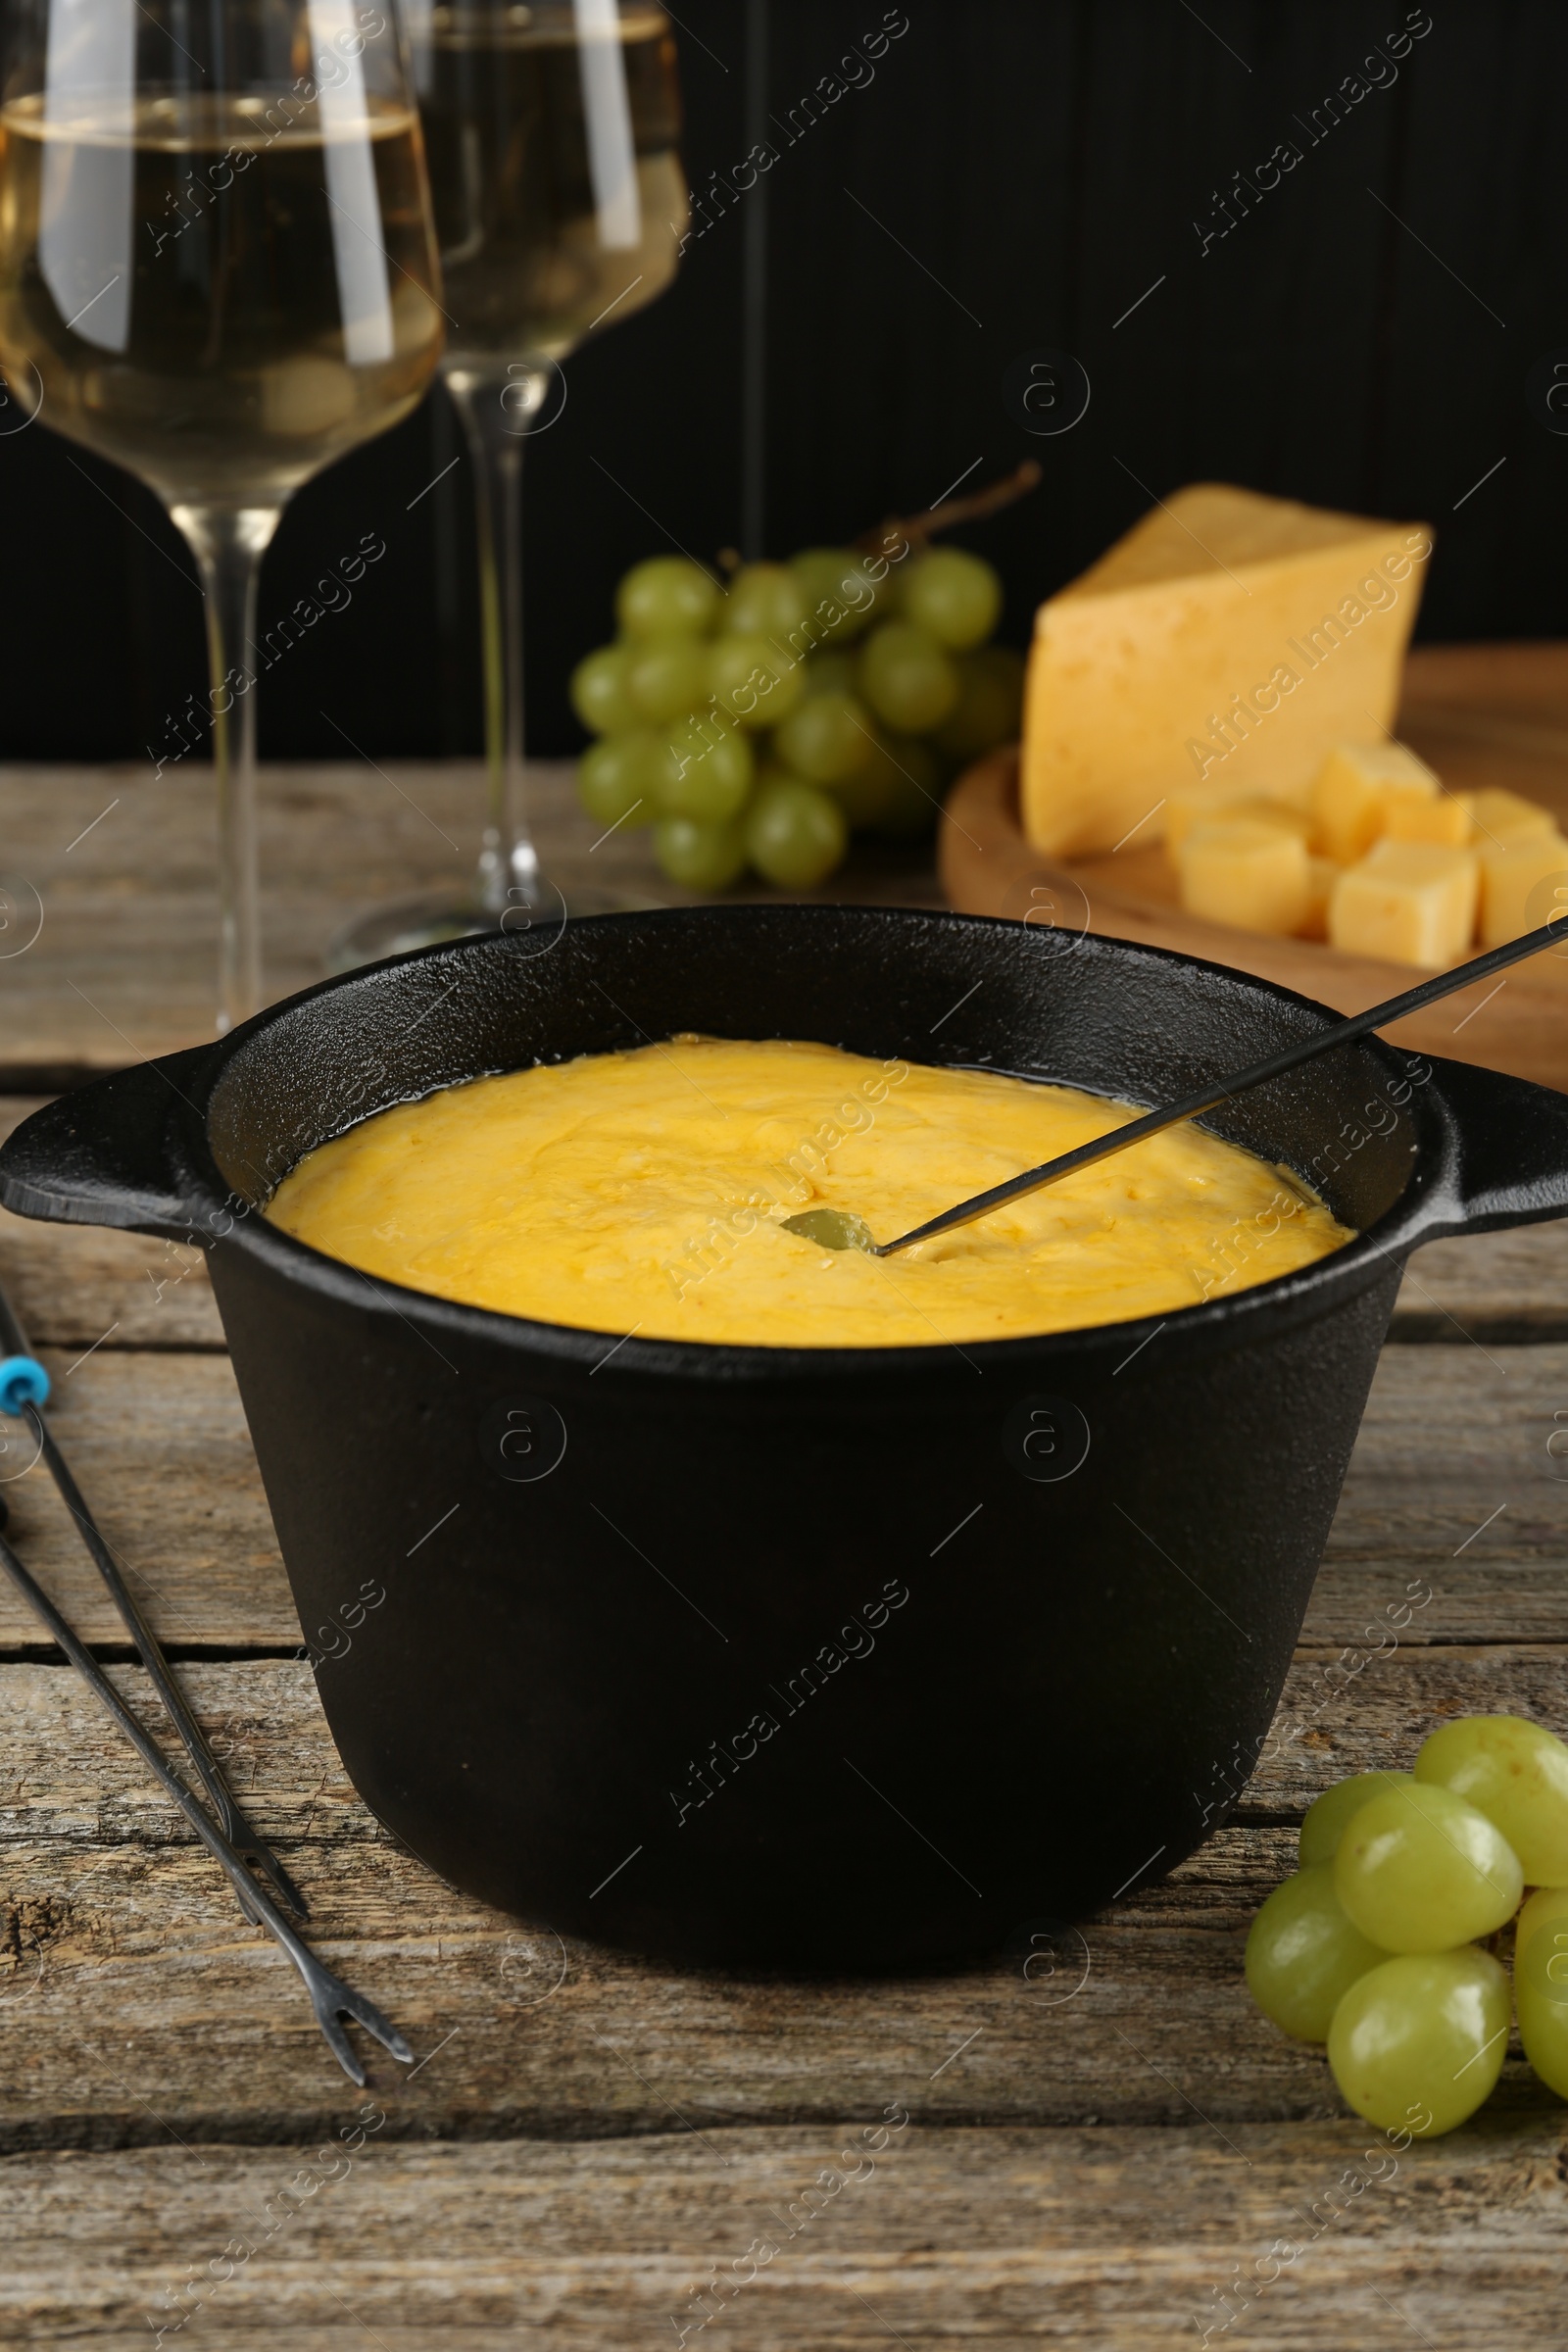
x,y
646,1191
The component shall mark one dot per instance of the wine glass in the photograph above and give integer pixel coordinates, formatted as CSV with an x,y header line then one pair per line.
x,y
560,206
217,267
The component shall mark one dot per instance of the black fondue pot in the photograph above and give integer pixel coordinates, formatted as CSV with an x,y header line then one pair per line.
x,y
829,1658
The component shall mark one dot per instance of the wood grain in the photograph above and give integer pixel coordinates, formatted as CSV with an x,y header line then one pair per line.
x,y
136,1999
159,1446
124,957
1100,2238
1498,1285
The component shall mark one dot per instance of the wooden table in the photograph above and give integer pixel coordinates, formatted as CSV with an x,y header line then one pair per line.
x,y
1093,2156
108,889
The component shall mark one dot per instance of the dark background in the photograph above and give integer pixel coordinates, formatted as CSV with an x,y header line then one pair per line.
x,y
1361,339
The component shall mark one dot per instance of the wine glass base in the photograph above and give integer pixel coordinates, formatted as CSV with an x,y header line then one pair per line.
x,y
439,917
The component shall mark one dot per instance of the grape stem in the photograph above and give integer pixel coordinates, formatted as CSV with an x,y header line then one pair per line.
x,y
914,531
911,532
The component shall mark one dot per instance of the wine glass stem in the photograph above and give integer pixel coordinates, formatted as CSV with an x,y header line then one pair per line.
x,y
228,545
508,865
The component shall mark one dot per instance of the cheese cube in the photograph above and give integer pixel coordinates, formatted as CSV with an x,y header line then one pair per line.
x,y
1202,803
1237,870
1447,819
1501,817
1190,804
1410,902
1226,637
1357,789
1259,808
1321,875
1523,885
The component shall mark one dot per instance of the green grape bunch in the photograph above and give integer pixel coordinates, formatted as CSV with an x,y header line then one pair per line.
x,y
1380,1945
758,727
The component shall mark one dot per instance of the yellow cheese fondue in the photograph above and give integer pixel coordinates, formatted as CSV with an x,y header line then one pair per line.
x,y
646,1191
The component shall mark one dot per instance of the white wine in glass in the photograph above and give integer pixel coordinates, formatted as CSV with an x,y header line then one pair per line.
x,y
217,269
560,204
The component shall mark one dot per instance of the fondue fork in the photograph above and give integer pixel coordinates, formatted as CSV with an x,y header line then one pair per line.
x,y
330,1998
841,1228
24,1389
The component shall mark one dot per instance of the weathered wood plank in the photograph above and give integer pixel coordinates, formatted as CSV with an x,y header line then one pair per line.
x,y
1496,1285
160,1445
1452,1436
1092,2237
136,2000
160,1448
124,961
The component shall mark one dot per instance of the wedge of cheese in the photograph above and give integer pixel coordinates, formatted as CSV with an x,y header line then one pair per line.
x,y
1228,637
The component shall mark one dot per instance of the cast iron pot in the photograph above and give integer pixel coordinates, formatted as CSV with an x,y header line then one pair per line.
x,y
853,1658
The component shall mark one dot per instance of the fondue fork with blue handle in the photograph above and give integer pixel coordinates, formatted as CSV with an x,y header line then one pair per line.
x,y
24,1390
841,1228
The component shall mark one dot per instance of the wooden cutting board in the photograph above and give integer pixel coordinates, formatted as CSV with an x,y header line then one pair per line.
x,y
1479,713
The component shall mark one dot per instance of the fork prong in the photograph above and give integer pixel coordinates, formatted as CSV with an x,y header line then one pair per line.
x,y
248,1905
386,2033
326,2017
327,1988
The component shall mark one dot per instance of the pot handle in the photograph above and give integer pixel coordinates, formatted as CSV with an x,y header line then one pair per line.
x,y
1511,1149
104,1153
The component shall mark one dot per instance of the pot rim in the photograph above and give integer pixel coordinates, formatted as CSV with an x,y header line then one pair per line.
x,y
1302,1293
